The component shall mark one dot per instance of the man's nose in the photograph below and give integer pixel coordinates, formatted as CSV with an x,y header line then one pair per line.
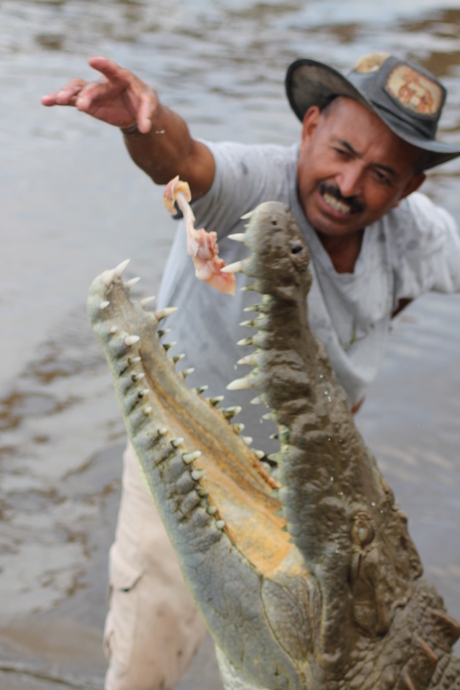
x,y
350,180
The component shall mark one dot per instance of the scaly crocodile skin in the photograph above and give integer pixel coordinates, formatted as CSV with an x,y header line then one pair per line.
x,y
311,582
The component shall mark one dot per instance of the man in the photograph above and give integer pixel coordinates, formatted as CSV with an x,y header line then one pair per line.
x,y
366,141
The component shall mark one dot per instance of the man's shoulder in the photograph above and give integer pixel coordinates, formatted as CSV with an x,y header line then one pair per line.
x,y
417,224
227,152
416,210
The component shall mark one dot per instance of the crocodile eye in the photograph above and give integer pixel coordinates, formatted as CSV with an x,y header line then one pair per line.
x,y
362,532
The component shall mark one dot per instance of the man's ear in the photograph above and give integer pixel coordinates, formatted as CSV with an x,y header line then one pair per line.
x,y
310,123
414,183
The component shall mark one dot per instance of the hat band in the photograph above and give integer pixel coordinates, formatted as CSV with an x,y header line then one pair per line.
x,y
410,129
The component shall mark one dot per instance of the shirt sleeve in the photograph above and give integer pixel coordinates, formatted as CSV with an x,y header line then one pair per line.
x,y
426,245
245,176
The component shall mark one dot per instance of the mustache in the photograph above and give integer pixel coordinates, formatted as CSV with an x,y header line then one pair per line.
x,y
353,202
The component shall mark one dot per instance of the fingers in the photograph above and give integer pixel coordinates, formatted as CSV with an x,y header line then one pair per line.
x,y
49,99
65,96
92,92
110,70
118,99
148,104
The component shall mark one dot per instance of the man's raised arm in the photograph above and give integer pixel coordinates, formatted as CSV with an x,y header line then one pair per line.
x,y
157,139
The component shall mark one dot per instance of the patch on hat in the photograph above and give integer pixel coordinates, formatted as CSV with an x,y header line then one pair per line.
x,y
414,91
370,63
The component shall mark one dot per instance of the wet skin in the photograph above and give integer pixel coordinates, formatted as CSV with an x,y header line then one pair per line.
x,y
349,153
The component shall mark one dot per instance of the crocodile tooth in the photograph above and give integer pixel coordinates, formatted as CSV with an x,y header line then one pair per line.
x,y
275,457
237,428
250,360
146,300
216,400
197,474
257,401
212,510
201,389
275,437
285,434
134,360
177,441
137,377
177,358
118,270
236,267
112,330
239,384
108,277
188,458
237,237
129,283
220,524
162,313
230,412
247,215
162,431
247,439
249,323
187,372
143,393
245,341
168,346
201,491
259,454
250,287
147,410
104,305
162,331
131,340
253,307
270,416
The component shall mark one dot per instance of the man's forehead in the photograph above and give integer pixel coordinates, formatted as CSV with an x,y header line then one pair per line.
x,y
348,115
344,107
354,125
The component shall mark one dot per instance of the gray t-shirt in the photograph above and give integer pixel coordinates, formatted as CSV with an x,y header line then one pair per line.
x,y
415,248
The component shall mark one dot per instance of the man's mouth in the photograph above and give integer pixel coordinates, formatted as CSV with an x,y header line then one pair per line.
x,y
336,204
333,198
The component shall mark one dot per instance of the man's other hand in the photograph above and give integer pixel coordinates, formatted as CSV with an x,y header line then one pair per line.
x,y
120,99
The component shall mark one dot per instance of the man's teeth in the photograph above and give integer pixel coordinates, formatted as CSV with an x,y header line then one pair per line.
x,y
336,204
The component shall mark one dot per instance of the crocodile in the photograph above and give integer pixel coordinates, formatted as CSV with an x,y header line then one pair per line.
x,y
307,577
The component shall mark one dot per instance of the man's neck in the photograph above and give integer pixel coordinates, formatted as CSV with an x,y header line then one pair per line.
x,y
343,251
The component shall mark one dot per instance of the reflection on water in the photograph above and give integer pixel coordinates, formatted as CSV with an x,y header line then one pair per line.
x,y
72,204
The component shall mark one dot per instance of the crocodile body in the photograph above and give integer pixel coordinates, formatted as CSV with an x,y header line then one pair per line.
x,y
307,581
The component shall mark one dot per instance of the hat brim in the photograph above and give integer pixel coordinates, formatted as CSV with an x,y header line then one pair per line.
x,y
309,82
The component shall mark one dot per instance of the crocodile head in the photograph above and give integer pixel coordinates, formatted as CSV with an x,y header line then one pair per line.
x,y
306,580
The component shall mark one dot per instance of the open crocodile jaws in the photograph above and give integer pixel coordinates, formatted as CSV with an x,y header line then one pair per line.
x,y
313,583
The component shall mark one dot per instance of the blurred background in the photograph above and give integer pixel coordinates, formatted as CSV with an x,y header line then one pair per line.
x,y
72,204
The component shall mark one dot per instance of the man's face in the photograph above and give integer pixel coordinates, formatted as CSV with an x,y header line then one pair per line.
x,y
352,169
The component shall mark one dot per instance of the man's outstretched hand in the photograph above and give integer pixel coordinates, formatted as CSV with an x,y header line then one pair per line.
x,y
164,147
120,98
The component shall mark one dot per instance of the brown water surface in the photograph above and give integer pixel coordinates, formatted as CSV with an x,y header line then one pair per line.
x,y
72,204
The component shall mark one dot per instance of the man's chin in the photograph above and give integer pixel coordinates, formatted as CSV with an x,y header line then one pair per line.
x,y
335,227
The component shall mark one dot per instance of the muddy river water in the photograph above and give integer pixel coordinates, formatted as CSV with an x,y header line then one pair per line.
x,y
72,204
